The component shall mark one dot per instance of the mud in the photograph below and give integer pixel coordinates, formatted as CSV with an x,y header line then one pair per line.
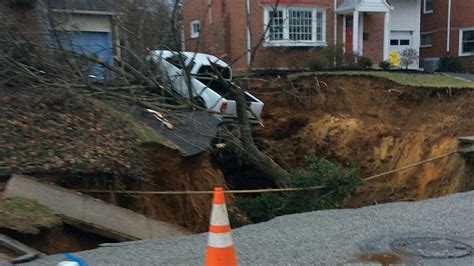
x,y
166,170
377,123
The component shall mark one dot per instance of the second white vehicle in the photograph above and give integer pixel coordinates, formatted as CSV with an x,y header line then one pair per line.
x,y
208,91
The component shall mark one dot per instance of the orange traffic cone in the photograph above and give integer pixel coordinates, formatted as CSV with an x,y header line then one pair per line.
x,y
220,246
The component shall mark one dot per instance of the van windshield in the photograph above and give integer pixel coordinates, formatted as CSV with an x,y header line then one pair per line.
x,y
178,59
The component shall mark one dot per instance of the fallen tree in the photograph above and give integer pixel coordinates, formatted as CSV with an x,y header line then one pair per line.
x,y
57,62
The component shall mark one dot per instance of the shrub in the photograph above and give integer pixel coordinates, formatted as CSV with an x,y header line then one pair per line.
x,y
350,60
364,62
450,64
385,65
338,183
327,57
318,62
408,57
334,54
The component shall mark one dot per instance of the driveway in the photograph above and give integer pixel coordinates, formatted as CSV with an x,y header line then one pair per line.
x,y
465,76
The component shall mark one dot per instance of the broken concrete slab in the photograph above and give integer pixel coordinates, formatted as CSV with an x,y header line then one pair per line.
x,y
91,214
192,131
20,251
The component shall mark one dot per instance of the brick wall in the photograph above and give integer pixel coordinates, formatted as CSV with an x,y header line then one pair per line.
x,y
373,46
436,22
224,33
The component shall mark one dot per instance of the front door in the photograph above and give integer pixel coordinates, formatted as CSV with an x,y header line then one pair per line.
x,y
349,28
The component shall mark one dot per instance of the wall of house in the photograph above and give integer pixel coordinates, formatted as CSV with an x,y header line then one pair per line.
x,y
213,20
373,45
289,57
224,33
436,22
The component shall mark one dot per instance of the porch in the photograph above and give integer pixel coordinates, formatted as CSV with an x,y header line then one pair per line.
x,y
399,24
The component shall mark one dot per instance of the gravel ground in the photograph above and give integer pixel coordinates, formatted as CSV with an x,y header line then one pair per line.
x,y
324,237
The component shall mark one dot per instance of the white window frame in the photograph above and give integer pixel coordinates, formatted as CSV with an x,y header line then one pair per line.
x,y
427,45
461,33
286,27
424,7
193,33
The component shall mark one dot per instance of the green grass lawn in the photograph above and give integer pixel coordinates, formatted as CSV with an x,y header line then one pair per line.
x,y
412,79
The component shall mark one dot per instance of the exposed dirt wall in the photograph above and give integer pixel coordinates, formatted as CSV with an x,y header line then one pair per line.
x,y
169,171
377,123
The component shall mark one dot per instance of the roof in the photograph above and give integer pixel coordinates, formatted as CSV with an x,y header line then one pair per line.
x,y
363,6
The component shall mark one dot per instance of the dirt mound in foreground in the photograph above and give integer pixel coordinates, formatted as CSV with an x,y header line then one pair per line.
x,y
79,143
377,123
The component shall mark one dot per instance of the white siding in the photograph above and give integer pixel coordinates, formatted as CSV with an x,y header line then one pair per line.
x,y
83,22
404,15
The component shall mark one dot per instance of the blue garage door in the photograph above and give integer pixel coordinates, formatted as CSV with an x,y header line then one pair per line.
x,y
92,43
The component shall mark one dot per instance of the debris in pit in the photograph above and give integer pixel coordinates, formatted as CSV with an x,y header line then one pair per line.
x,y
26,216
193,131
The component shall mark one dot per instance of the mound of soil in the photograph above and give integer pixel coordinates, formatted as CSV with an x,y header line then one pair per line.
x,y
375,122
79,143
52,131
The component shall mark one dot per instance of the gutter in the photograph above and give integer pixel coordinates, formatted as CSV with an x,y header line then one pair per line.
x,y
448,33
335,23
249,41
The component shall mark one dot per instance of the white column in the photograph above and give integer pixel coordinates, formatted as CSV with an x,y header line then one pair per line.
x,y
344,21
361,34
355,32
386,34
335,22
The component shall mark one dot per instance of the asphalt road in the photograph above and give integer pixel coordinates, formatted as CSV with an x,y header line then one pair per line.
x,y
318,238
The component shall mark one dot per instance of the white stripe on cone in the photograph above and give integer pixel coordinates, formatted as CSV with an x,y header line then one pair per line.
x,y
220,240
219,215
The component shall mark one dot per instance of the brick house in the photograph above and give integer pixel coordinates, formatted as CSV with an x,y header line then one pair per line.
x,y
447,29
82,25
300,28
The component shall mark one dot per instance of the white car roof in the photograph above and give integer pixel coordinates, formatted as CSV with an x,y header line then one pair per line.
x,y
200,58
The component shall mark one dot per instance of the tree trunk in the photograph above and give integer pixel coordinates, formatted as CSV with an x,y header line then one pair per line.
x,y
247,149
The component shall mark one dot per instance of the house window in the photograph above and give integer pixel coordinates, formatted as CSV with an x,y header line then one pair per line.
x,y
428,6
292,26
195,28
426,39
276,25
466,42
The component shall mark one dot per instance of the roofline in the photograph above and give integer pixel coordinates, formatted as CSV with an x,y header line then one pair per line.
x,y
357,8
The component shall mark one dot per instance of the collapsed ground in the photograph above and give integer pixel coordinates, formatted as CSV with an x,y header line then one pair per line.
x,y
83,144
377,123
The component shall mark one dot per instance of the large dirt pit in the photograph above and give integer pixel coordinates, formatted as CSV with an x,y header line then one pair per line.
x,y
375,122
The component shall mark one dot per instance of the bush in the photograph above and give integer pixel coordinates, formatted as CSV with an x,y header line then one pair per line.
x,y
334,54
408,57
350,60
450,64
364,62
338,183
385,65
327,57
319,62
